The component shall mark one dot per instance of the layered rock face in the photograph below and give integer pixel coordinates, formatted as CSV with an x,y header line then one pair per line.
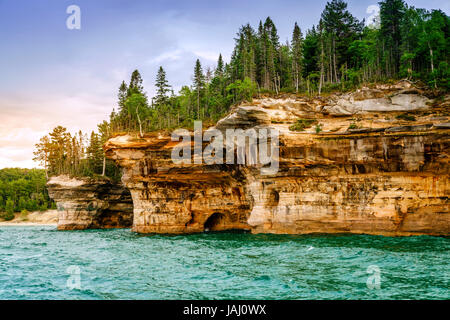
x,y
178,199
90,203
388,185
385,177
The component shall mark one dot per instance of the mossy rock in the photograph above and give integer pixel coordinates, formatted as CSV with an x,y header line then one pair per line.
x,y
302,124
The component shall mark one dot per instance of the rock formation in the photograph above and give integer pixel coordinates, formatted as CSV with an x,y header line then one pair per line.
x,y
178,199
85,203
387,176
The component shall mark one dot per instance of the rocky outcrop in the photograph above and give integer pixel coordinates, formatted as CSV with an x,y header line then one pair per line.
x,y
85,203
178,199
382,98
388,177
382,184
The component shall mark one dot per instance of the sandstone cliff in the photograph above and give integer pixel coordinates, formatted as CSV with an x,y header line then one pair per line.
x,y
361,169
85,203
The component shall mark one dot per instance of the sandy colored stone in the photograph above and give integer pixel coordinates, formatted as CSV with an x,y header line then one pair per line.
x,y
85,203
388,177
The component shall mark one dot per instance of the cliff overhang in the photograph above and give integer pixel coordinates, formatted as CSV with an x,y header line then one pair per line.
x,y
88,203
387,176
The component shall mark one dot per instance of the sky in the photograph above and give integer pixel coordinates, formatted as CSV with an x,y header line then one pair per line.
x,y
51,75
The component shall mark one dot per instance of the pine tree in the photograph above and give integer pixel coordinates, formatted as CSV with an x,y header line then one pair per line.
x,y
220,67
162,88
58,155
95,153
104,130
135,83
199,83
342,28
321,57
391,15
310,52
42,153
122,95
271,43
261,54
297,55
285,78
432,40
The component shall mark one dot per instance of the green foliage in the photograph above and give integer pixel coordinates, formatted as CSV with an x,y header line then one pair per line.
x,y
297,54
339,53
23,189
63,153
352,126
409,42
135,84
94,153
442,75
303,124
162,88
208,99
318,128
390,36
24,214
7,216
241,90
9,207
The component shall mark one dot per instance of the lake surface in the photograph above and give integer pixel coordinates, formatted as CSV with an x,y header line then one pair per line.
x,y
43,263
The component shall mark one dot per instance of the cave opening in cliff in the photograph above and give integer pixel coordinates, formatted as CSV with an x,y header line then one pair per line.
x,y
219,222
214,222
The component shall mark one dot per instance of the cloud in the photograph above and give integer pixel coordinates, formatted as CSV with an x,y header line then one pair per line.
x,y
26,118
11,157
166,57
208,55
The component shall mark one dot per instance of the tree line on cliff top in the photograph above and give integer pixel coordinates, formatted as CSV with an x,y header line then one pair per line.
x,y
339,53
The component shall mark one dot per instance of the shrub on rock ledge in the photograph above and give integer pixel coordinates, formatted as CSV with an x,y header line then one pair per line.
x,y
302,124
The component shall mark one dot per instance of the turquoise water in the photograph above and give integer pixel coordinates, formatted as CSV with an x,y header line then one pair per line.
x,y
119,264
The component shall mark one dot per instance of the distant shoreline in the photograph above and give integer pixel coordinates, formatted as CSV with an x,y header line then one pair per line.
x,y
25,224
37,218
